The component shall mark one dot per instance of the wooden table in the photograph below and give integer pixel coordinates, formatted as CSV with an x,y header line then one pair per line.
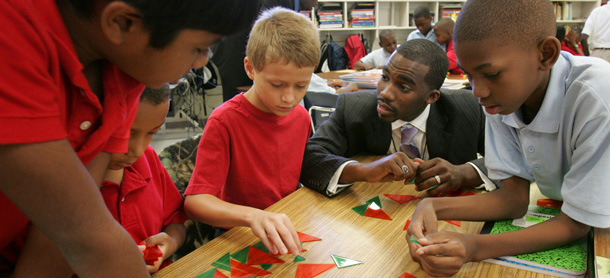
x,y
380,244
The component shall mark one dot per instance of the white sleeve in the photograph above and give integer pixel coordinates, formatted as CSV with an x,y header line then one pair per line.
x,y
487,183
333,185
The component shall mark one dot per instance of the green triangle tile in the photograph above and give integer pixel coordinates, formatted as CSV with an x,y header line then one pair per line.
x,y
298,259
414,239
224,262
241,255
266,266
361,209
342,262
208,274
260,246
376,200
412,182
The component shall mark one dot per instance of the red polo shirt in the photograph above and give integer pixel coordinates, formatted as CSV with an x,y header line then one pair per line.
x,y
44,95
566,47
453,67
147,200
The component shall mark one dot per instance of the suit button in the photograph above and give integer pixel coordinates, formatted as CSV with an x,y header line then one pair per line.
x,y
531,149
85,125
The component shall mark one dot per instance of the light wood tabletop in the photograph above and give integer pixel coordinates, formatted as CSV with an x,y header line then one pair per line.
x,y
379,243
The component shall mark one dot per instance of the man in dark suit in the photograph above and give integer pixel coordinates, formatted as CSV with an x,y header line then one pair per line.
x,y
450,130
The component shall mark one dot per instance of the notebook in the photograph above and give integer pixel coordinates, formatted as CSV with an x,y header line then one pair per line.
x,y
565,261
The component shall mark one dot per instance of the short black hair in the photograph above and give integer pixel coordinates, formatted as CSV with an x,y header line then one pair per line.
x,y
561,32
421,11
429,54
385,33
156,96
166,18
526,22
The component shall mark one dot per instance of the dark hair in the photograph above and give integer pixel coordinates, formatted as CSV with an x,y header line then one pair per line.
x,y
385,33
165,18
561,32
525,22
429,54
421,11
156,96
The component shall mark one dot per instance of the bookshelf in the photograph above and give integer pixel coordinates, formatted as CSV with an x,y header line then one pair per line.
x,y
396,15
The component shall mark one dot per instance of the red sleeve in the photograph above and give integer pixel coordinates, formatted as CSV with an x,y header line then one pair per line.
x,y
453,67
173,204
119,141
213,160
29,95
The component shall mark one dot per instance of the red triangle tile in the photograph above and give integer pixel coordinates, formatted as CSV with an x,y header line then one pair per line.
x,y
455,222
243,270
219,274
377,213
307,238
402,199
256,256
312,270
407,275
406,225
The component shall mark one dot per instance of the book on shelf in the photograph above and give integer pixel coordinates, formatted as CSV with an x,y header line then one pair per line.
x,y
566,261
563,10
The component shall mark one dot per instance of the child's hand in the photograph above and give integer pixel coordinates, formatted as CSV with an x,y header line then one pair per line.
x,y
423,222
276,231
444,253
167,246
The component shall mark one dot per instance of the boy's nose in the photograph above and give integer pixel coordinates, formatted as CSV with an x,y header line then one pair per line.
x,y
200,62
288,96
385,92
479,89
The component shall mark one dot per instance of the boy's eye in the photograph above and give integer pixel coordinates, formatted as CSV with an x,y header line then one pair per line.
x,y
384,77
301,86
492,75
202,52
276,85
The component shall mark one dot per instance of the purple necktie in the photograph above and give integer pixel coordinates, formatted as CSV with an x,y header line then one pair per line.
x,y
406,143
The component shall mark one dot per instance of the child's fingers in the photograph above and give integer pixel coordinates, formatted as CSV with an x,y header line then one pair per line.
x,y
290,237
276,240
142,248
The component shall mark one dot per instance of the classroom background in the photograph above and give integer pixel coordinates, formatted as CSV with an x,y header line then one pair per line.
x,y
200,92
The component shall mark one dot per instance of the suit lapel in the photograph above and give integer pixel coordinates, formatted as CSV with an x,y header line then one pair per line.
x,y
380,136
437,140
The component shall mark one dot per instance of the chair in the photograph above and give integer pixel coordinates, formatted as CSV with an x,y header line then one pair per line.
x,y
320,106
179,161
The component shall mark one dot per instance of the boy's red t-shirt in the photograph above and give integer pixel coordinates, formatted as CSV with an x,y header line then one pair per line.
x,y
45,96
147,199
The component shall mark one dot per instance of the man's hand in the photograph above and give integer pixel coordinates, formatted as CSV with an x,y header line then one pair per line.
x,y
397,166
452,177
276,231
444,253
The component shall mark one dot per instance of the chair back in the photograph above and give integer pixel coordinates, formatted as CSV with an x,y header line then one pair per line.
x,y
320,106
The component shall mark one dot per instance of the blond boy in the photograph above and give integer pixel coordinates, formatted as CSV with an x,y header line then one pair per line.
x,y
252,147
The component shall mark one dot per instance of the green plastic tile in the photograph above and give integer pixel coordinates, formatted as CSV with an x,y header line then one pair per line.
x,y
224,262
343,262
241,255
361,209
298,259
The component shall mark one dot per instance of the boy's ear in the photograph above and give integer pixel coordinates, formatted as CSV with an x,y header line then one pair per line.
x,y
549,49
433,96
249,67
118,20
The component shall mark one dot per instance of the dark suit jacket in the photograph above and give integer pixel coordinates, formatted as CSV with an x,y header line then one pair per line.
x,y
455,131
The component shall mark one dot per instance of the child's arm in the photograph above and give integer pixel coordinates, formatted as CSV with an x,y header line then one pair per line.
x,y
444,253
50,185
168,241
274,229
510,201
